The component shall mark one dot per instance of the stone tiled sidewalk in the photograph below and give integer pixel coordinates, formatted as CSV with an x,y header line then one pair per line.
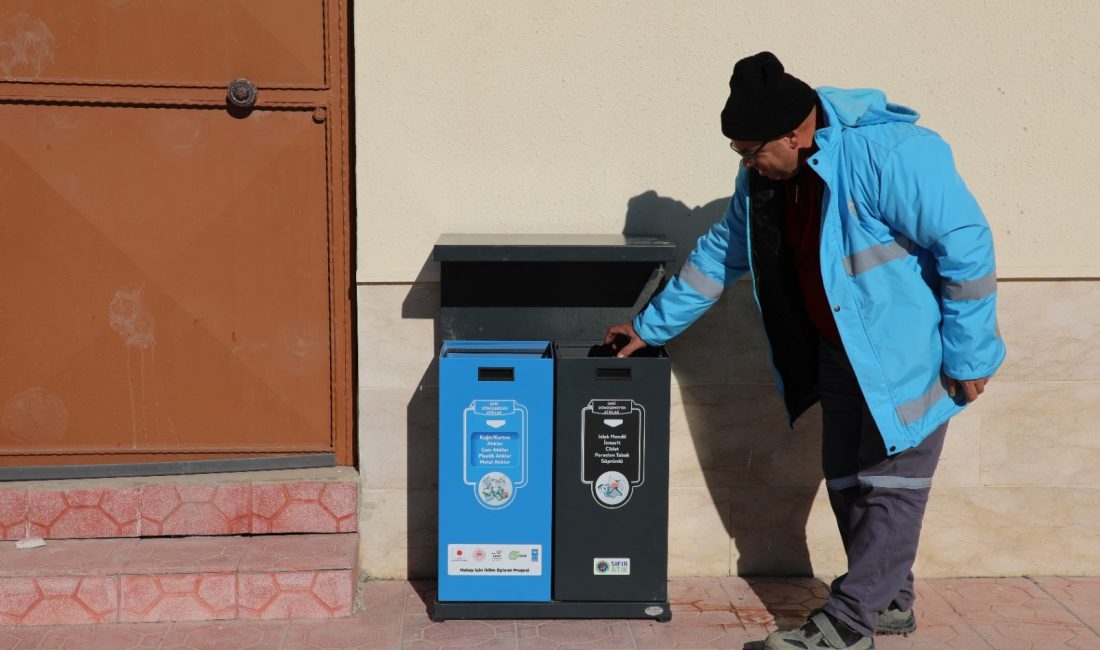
x,y
1003,613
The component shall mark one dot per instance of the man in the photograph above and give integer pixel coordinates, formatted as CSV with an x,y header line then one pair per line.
x,y
873,268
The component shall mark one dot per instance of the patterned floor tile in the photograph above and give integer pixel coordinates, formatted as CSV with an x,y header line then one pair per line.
x,y
83,513
81,557
299,552
181,509
421,632
13,514
774,603
1079,595
959,636
178,597
938,625
1037,636
386,597
697,594
22,638
295,594
58,600
574,634
197,555
304,507
650,634
362,631
224,635
104,637
997,601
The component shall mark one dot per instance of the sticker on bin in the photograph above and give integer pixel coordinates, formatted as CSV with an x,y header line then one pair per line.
x,y
611,566
613,447
494,559
495,444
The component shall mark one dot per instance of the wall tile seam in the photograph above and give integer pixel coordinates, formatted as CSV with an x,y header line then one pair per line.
x,y
413,283
998,379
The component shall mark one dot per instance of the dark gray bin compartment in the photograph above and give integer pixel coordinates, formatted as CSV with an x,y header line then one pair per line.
x,y
611,475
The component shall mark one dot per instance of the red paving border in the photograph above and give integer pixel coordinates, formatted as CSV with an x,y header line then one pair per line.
x,y
133,580
1001,613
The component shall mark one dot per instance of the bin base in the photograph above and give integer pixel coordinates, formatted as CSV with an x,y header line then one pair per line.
x,y
448,610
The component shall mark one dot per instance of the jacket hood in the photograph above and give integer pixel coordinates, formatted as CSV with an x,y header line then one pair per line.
x,y
862,107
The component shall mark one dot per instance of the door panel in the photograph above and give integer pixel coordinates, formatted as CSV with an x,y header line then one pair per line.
x,y
176,277
205,43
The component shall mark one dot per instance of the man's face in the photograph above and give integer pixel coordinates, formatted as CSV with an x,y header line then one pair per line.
x,y
775,159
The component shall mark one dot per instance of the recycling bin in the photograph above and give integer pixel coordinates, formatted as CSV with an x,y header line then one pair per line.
x,y
611,476
495,470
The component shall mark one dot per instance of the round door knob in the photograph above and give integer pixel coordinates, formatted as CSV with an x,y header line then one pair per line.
x,y
242,93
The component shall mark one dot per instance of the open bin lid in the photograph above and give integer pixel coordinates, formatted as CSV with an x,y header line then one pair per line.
x,y
552,287
454,247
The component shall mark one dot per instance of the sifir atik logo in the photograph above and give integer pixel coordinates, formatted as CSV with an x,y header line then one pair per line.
x,y
611,566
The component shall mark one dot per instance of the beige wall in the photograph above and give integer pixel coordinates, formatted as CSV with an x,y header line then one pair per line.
x,y
522,116
549,116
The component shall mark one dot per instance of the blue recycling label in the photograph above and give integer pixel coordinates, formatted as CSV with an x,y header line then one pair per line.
x,y
495,440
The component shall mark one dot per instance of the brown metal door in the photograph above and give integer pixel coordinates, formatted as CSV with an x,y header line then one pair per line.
x,y
175,274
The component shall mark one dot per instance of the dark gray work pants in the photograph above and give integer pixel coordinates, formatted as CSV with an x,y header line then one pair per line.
x,y
878,500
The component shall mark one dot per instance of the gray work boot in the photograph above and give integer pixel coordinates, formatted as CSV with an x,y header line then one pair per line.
x,y
821,632
896,621
892,621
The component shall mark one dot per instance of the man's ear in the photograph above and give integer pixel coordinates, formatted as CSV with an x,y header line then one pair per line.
x,y
791,139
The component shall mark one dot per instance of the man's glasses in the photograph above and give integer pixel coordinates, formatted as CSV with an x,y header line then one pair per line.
x,y
750,155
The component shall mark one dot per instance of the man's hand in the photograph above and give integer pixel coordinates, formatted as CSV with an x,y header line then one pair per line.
x,y
970,388
623,339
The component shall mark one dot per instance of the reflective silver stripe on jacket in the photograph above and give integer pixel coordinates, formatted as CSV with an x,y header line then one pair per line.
x,y
914,410
971,289
703,284
877,255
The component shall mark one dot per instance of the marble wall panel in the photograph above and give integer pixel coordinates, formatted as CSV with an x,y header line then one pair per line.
x,y
783,531
697,353
398,335
398,436
1051,329
698,537
1003,531
737,435
960,462
397,533
1041,433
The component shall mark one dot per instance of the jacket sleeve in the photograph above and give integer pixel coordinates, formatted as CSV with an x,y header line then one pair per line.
x,y
922,196
718,259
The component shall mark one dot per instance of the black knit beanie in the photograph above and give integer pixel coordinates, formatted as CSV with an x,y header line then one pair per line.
x,y
764,101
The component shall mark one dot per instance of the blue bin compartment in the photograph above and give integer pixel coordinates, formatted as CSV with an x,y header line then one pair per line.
x,y
496,447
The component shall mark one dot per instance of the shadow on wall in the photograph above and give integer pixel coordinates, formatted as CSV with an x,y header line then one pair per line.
x,y
422,444
760,475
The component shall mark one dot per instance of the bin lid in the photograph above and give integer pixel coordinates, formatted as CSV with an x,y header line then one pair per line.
x,y
496,349
455,247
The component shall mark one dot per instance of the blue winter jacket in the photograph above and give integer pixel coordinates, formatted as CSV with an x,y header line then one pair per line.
x,y
906,260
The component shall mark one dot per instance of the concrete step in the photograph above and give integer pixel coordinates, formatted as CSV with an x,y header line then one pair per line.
x,y
322,500
92,581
